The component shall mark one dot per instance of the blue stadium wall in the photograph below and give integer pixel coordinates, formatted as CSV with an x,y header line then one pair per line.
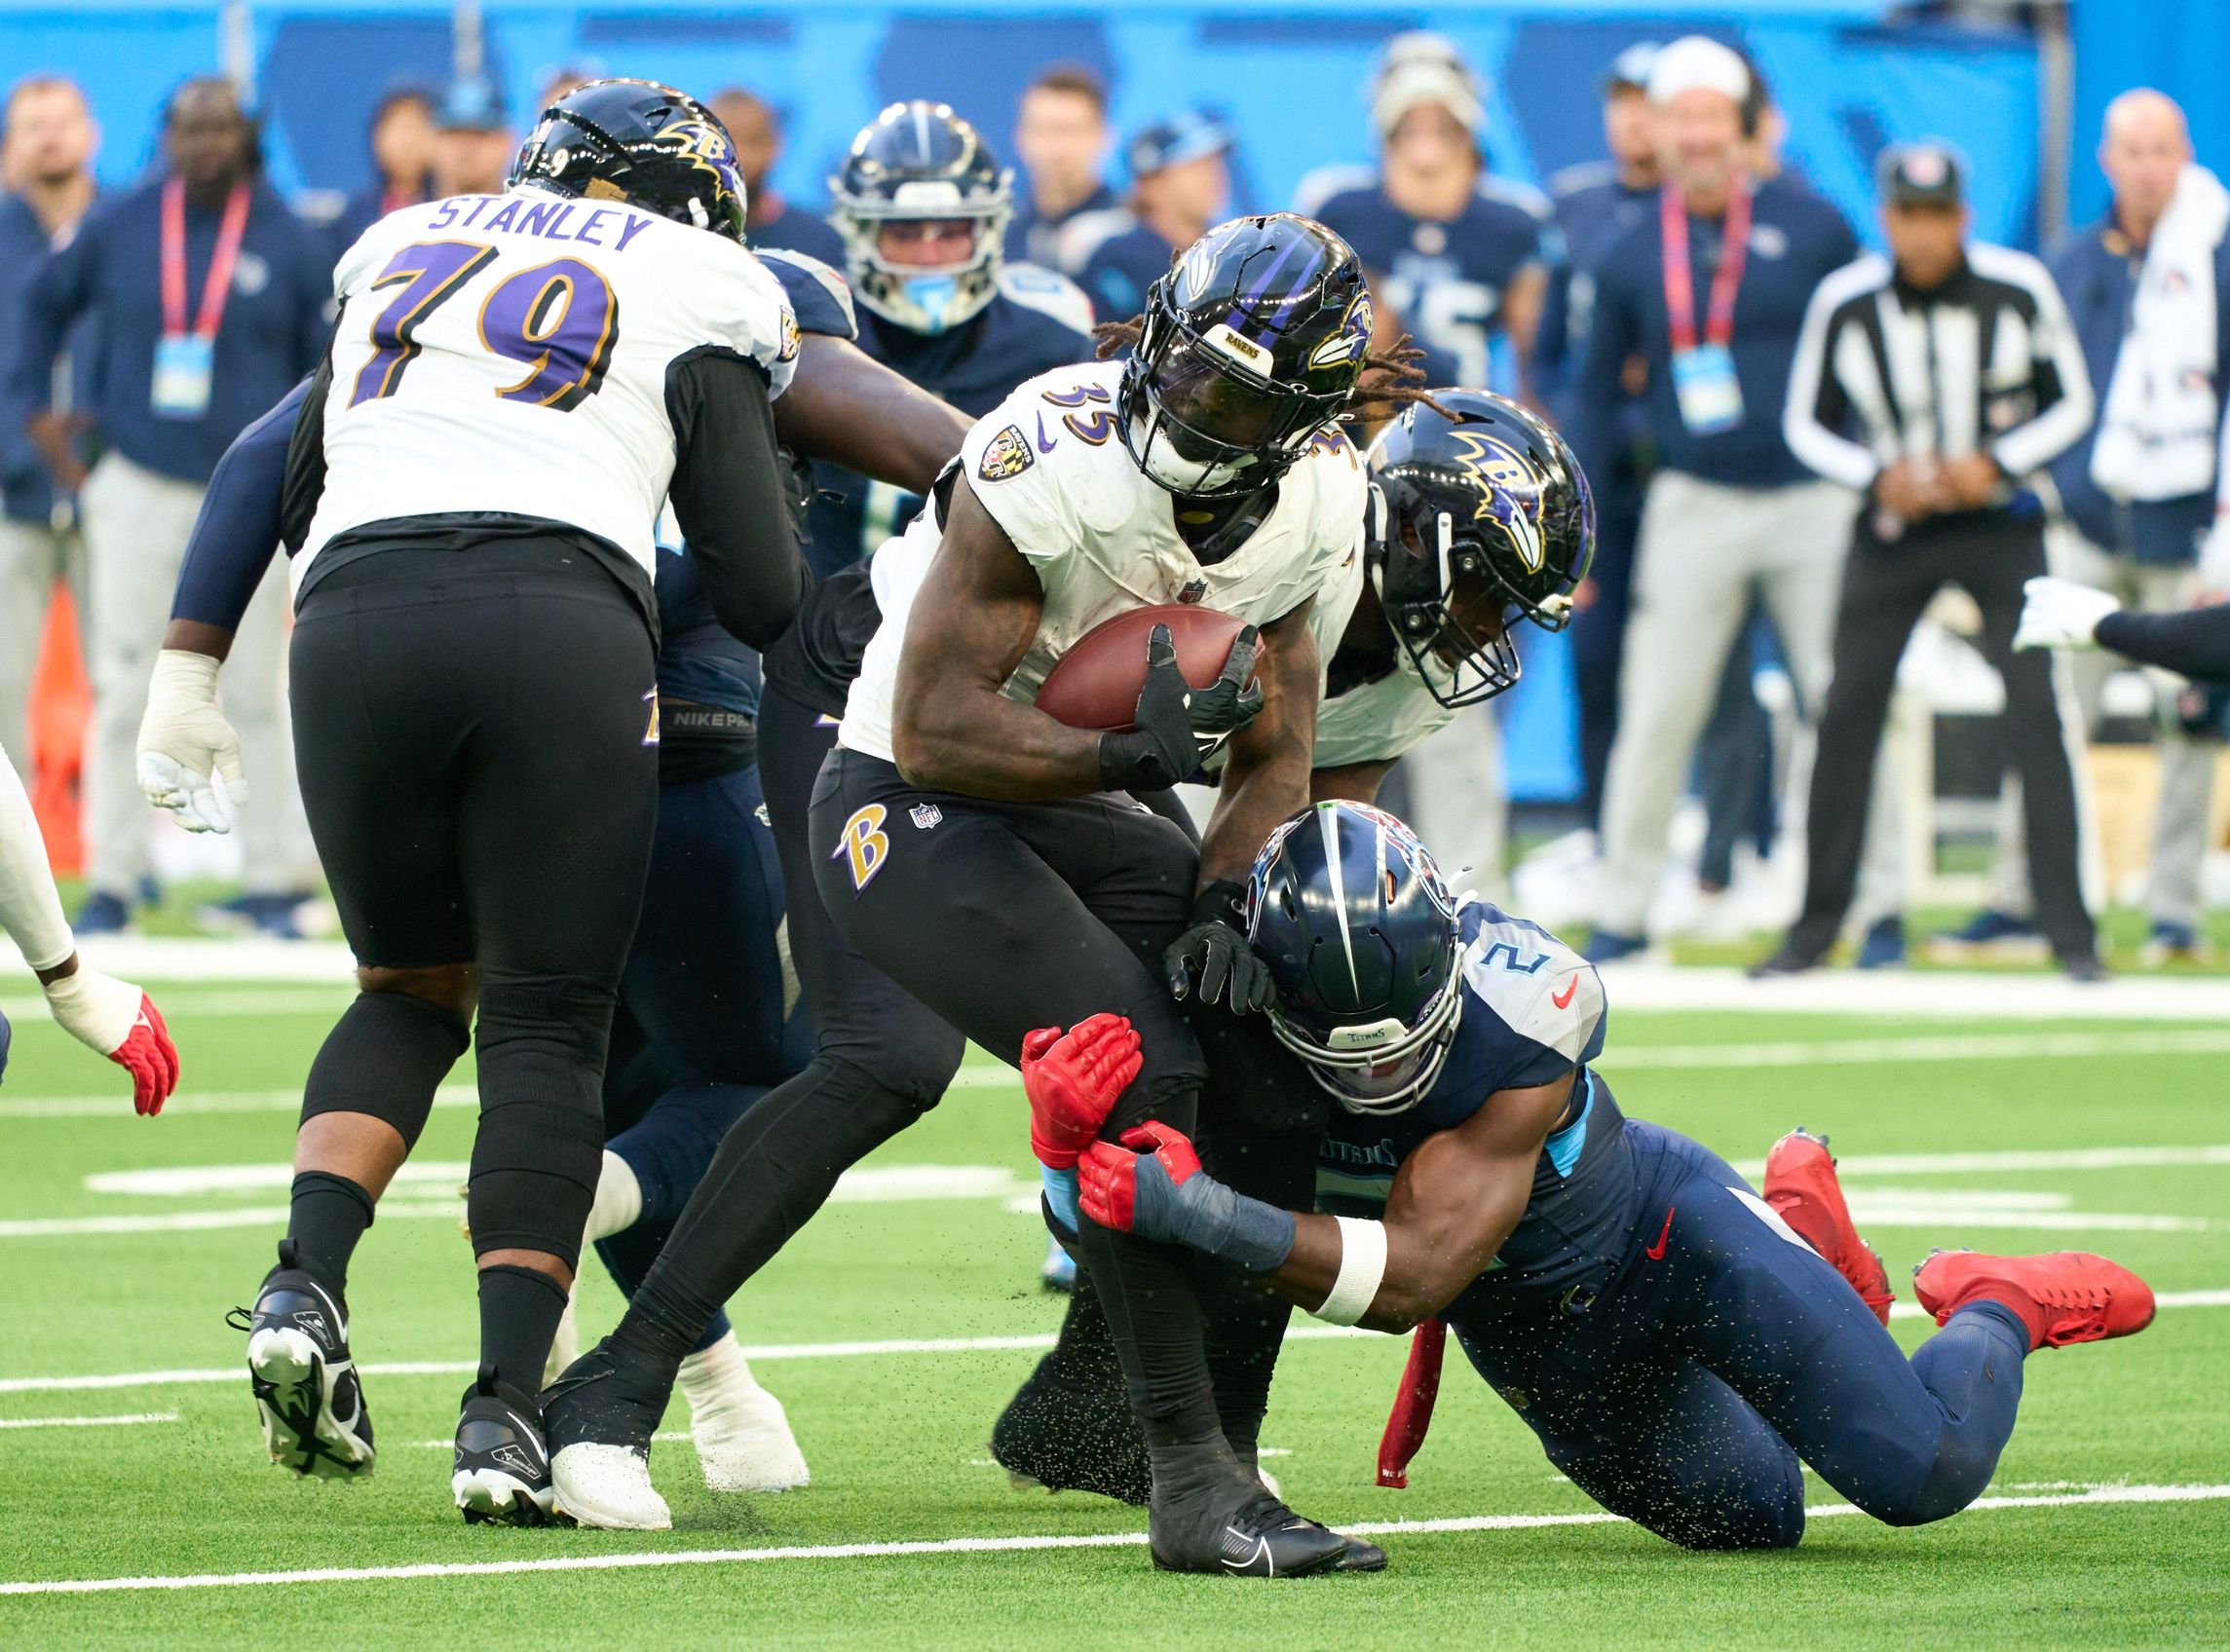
x,y
1288,73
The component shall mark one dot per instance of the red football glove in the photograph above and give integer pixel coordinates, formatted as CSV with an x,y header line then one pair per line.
x,y
1073,1080
1108,1177
151,1059
121,1023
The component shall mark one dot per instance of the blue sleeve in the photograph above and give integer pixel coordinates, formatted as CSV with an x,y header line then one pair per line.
x,y
820,297
237,533
313,332
57,291
1598,390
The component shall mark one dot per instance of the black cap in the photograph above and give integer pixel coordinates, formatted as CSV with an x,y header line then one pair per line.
x,y
1921,174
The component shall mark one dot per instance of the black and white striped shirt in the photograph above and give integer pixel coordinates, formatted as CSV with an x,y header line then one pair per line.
x,y
1986,361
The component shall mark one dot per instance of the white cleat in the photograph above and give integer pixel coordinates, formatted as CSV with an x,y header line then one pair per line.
x,y
608,1488
742,1436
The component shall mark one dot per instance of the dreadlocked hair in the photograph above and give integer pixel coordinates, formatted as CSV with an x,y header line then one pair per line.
x,y
1389,379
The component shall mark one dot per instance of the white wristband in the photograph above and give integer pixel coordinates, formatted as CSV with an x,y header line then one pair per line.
x,y
1362,1266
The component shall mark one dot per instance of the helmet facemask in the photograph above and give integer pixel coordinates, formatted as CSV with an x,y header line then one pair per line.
x,y
1448,610
925,299
1378,1068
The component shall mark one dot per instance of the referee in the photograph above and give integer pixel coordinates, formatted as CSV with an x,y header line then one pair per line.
x,y
1936,380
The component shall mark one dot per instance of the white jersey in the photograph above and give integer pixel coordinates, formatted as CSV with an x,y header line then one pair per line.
x,y
1050,469
508,353
1379,721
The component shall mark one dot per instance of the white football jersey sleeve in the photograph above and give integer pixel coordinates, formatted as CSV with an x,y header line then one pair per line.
x,y
1050,467
509,353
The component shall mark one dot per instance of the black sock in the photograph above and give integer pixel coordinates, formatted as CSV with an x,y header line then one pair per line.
x,y
519,1312
329,1215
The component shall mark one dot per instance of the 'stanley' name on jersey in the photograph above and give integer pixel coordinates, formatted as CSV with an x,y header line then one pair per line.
x,y
549,219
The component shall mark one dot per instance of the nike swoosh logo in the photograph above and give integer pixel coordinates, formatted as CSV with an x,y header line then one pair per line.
x,y
1562,999
1262,1553
1656,1253
1044,446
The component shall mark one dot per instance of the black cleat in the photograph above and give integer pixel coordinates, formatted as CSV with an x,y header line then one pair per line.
x,y
502,1470
1066,1438
302,1375
1260,1538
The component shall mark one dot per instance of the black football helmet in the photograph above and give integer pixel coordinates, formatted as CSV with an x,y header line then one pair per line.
x,y
917,163
1480,517
1348,910
1252,345
637,141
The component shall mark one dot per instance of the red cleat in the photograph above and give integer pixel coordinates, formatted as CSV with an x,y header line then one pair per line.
x,y
2064,1295
1801,1187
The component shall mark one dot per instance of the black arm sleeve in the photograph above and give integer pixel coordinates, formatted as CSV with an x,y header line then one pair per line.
x,y
306,461
2195,641
237,533
726,491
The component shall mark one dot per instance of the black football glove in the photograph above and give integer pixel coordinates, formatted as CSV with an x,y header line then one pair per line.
x,y
1212,958
1176,725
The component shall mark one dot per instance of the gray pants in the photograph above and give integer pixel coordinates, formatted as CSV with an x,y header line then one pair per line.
x,y
1460,806
2186,764
32,557
1704,552
136,525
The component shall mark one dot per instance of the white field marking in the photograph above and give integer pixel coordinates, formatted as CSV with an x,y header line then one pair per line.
x,y
2016,1159
2104,1494
870,1184
1937,995
1966,1046
201,1101
201,1005
1032,1343
1892,1214
257,1178
669,1434
183,959
127,1420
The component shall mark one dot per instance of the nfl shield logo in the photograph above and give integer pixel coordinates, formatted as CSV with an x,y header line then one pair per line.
x,y
1194,591
927,815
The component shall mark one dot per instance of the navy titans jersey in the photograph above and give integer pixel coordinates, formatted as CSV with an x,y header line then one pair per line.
x,y
1035,322
1533,1010
1445,281
698,661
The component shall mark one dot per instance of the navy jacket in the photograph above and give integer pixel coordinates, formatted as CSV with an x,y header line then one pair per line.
x,y
2097,276
1115,275
790,230
26,487
1593,211
1034,240
275,323
1795,240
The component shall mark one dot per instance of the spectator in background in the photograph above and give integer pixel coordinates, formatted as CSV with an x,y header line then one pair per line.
x,y
208,302
48,163
1710,292
473,143
1596,204
1936,381
771,221
1061,138
1456,253
401,142
2148,288
1179,186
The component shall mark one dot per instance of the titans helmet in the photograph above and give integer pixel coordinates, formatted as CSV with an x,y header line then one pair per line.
x,y
918,162
1348,910
1480,518
1251,344
640,142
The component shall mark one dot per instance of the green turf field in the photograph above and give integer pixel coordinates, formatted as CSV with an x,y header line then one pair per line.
x,y
2091,1552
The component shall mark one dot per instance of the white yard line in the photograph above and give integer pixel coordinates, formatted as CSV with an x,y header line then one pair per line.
x,y
1025,1343
2101,1495
2016,1159
128,1419
1937,995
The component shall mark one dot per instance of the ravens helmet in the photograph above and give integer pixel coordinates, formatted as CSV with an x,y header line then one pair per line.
x,y
1249,345
637,141
1349,913
920,164
1480,517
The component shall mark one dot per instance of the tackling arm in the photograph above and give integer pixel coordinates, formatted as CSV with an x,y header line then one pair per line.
x,y
972,622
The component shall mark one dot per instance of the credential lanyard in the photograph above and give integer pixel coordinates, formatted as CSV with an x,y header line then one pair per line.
x,y
222,257
1679,284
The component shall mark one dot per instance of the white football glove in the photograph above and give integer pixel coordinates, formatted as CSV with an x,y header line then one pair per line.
x,y
184,741
2061,614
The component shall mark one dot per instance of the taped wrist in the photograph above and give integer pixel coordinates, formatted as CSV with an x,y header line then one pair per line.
x,y
1136,760
1207,1216
1362,1268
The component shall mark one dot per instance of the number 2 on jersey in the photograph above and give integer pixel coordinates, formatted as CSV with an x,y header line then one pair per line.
x,y
559,320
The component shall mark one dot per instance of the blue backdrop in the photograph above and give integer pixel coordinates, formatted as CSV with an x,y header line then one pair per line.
x,y
1288,73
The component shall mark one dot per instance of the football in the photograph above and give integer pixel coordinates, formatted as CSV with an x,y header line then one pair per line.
x,y
1096,684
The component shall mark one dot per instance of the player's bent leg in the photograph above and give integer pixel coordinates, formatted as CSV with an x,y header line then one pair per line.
x,y
1801,1187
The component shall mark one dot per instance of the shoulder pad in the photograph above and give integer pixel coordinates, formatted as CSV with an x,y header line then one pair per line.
x,y
820,297
1035,288
1535,984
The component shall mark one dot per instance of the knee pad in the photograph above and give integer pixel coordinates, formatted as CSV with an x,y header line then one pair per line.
x,y
385,1058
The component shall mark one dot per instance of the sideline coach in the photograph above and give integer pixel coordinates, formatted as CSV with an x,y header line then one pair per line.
x,y
1936,380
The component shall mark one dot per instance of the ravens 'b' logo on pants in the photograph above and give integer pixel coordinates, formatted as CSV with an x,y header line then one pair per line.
x,y
864,842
